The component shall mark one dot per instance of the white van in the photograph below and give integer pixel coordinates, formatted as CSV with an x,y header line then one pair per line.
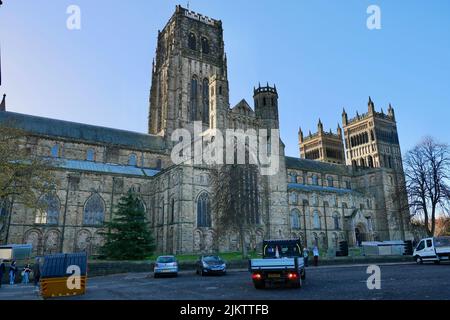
x,y
434,249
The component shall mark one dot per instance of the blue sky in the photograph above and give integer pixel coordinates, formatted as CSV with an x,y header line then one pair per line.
x,y
319,53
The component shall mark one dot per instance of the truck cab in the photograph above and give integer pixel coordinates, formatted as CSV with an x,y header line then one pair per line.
x,y
282,262
434,249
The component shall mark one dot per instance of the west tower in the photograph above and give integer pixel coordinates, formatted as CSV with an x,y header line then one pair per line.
x,y
189,52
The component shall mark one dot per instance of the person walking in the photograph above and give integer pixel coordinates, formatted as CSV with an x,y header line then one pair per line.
x,y
26,274
2,271
316,256
306,256
12,272
36,272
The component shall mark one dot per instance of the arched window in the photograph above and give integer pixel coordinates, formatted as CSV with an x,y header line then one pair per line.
x,y
330,181
316,220
193,105
370,162
205,45
132,160
295,219
192,42
90,155
49,215
172,211
203,211
336,221
315,180
55,151
94,210
205,87
293,198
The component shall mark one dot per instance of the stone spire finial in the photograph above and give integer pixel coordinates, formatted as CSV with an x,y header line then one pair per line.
x,y
320,126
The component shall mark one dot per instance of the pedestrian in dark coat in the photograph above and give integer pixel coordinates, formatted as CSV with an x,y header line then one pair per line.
x,y
2,271
36,272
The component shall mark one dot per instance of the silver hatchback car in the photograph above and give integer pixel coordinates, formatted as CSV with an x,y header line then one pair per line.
x,y
166,265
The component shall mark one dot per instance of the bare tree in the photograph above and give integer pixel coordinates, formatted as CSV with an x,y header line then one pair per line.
x,y
24,177
427,171
235,200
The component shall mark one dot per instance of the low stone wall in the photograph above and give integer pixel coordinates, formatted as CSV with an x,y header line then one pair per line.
x,y
100,268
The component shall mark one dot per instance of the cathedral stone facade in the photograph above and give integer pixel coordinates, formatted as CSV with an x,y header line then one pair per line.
x,y
320,199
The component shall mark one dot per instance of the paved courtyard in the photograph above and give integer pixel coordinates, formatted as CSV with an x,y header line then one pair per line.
x,y
398,281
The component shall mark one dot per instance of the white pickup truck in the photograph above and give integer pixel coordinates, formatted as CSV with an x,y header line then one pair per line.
x,y
282,263
434,249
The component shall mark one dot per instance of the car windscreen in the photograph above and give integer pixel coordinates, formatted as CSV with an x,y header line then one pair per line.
x,y
212,259
165,260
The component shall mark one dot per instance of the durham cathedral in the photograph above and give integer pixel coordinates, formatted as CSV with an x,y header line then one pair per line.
x,y
346,185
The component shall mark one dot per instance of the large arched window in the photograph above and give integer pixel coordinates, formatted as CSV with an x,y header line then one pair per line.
x,y
203,211
295,219
193,105
205,45
192,42
205,93
50,213
316,220
94,210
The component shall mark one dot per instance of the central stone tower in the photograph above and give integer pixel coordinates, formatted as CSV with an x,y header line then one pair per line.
x,y
190,51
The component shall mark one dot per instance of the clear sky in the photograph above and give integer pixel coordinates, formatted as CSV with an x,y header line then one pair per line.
x,y
319,53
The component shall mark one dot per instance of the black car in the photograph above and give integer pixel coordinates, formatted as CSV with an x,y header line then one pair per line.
x,y
210,265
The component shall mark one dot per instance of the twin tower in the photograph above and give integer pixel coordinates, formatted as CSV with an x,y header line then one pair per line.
x,y
369,140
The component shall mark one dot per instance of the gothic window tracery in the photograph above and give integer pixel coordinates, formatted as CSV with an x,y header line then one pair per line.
x,y
94,210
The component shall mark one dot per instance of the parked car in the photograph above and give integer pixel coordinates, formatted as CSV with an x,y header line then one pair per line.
x,y
166,265
432,249
210,265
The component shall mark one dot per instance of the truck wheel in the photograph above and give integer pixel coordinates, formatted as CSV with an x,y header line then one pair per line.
x,y
260,285
297,284
419,260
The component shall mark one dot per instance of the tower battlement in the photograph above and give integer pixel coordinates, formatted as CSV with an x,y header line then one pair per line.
x,y
266,89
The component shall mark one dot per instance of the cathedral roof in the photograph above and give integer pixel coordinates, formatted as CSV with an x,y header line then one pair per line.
x,y
317,166
80,165
243,107
53,128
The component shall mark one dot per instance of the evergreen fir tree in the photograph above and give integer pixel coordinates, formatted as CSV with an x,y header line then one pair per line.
x,y
129,237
